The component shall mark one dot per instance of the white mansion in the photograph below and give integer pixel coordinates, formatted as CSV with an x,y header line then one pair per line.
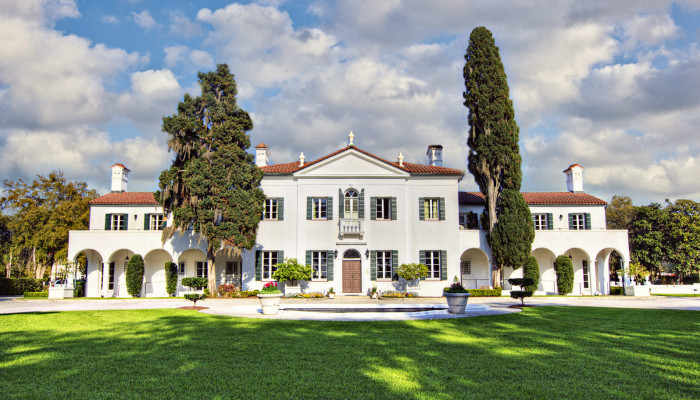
x,y
354,217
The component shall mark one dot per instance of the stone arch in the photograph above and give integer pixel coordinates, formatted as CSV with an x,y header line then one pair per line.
x,y
114,275
191,258
474,268
154,272
352,254
603,268
545,261
584,271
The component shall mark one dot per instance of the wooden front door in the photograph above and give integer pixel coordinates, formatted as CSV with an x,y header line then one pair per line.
x,y
352,276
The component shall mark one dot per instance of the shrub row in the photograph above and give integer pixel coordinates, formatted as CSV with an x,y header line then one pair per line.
x,y
17,286
242,294
314,295
495,292
617,290
399,294
40,295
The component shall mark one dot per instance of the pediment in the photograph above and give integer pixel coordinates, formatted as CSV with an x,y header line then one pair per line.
x,y
351,163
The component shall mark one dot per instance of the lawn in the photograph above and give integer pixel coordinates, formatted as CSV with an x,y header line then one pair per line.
x,y
543,352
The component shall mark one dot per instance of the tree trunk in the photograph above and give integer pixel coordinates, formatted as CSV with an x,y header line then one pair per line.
x,y
8,268
211,267
34,260
495,275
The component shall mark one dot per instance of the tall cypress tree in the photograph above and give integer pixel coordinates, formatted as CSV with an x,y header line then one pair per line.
x,y
494,154
213,184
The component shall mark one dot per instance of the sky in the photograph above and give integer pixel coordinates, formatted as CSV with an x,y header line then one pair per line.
x,y
611,85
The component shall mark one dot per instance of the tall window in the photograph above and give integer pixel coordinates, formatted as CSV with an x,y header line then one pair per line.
x,y
319,208
466,267
119,222
156,223
586,279
578,222
181,268
384,263
319,265
202,269
269,260
431,208
271,209
352,205
384,208
540,221
432,261
111,276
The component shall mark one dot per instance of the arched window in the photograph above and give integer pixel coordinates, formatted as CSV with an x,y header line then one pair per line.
x,y
352,253
351,209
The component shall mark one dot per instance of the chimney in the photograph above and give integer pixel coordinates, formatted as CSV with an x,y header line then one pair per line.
x,y
262,155
574,178
435,155
119,177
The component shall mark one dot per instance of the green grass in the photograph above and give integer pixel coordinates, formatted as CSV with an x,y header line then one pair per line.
x,y
675,295
542,352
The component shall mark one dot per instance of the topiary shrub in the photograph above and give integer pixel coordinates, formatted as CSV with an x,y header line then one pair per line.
x,y
495,292
195,283
565,274
134,275
532,270
291,271
522,293
411,272
170,278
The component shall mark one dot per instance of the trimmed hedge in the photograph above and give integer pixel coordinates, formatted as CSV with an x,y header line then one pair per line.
x,y
170,277
18,286
616,290
565,274
134,275
531,270
496,292
196,283
36,295
79,290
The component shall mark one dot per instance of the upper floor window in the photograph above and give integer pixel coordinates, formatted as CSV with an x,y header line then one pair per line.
x,y
351,204
272,209
580,221
319,208
542,222
431,208
383,208
469,220
116,222
156,222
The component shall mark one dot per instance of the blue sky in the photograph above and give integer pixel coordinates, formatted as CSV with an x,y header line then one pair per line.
x,y
609,85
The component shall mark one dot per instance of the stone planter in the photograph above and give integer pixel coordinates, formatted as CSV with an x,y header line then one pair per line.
x,y
270,303
331,295
60,292
638,290
374,295
290,290
456,302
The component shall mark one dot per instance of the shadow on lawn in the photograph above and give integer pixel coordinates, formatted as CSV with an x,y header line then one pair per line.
x,y
553,352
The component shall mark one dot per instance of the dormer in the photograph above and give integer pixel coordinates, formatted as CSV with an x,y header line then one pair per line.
x,y
574,178
119,177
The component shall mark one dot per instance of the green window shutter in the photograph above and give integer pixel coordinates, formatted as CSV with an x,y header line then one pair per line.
x,y
394,264
571,221
125,221
443,265
280,256
329,208
341,204
373,208
421,259
393,209
361,206
308,208
421,209
258,265
329,264
441,205
373,265
146,222
587,221
280,209
308,257
108,222
550,222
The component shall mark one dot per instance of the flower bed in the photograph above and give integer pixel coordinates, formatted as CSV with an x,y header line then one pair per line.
x,y
399,295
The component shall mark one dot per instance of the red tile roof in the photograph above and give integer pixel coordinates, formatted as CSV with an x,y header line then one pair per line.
x,y
121,165
261,146
571,166
126,198
415,169
538,198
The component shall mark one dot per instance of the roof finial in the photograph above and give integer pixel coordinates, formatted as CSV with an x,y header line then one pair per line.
x,y
301,159
400,159
351,136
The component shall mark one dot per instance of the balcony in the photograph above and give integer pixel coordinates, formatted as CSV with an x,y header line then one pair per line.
x,y
351,227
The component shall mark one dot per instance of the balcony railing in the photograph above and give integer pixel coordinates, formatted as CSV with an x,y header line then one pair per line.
x,y
351,227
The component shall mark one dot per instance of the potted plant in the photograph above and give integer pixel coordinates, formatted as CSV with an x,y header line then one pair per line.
x,y
412,273
331,293
270,297
373,293
293,272
457,297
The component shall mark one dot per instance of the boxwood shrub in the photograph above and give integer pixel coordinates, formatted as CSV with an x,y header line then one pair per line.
x,y
134,275
170,277
616,290
36,295
565,274
495,292
79,289
531,270
17,286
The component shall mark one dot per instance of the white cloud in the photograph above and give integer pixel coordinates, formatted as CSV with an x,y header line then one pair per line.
x,y
153,94
182,26
109,19
195,59
144,19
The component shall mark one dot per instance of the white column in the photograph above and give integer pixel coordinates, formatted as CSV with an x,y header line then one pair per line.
x,y
105,279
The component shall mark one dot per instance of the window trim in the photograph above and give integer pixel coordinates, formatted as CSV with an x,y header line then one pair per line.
x,y
382,255
204,270
431,206
319,208
271,210
267,263
320,256
385,209
431,266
